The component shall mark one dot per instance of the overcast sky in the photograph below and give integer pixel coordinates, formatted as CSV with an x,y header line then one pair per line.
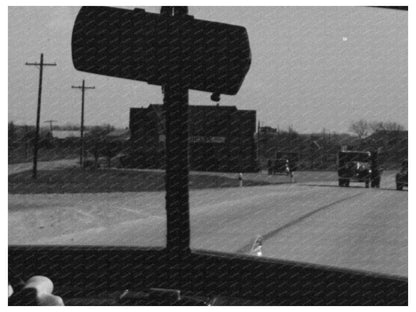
x,y
312,68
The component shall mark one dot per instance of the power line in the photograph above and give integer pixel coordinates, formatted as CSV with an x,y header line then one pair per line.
x,y
82,88
41,64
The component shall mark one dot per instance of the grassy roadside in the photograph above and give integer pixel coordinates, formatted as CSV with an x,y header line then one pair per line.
x,y
18,156
76,180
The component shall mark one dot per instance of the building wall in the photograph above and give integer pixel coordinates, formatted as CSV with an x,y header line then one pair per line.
x,y
221,138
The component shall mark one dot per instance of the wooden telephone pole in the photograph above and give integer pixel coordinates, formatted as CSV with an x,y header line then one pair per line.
x,y
41,64
82,88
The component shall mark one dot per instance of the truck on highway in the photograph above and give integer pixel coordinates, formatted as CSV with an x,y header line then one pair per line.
x,y
358,166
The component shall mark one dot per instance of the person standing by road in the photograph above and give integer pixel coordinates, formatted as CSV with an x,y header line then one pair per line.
x,y
240,179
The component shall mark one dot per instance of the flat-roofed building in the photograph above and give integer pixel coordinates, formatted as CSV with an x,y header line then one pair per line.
x,y
221,138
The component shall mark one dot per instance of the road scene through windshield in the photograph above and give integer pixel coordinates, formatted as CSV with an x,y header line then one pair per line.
x,y
311,221
247,136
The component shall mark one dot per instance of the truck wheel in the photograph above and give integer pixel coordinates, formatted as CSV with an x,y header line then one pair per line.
x,y
341,182
375,183
347,183
399,187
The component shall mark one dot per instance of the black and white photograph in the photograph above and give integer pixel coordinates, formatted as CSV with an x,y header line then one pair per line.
x,y
207,155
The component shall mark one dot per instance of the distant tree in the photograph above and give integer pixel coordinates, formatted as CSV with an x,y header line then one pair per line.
x,y
109,127
112,148
385,126
291,130
393,126
376,126
98,143
95,141
68,126
361,128
12,135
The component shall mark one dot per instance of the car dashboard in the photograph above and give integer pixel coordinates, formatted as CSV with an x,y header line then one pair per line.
x,y
85,276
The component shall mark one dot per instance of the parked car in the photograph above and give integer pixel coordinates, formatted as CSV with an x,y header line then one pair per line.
x,y
402,177
283,164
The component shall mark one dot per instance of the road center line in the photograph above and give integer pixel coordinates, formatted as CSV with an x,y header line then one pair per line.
x,y
85,214
270,234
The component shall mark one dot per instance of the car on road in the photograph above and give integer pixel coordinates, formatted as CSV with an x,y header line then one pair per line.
x,y
358,166
402,177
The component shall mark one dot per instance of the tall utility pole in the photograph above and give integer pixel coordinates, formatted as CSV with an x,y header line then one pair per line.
x,y
82,88
36,142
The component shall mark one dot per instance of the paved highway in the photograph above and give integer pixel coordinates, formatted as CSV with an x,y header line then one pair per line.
x,y
315,222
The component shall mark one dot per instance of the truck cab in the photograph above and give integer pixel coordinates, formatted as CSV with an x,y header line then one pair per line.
x,y
358,166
